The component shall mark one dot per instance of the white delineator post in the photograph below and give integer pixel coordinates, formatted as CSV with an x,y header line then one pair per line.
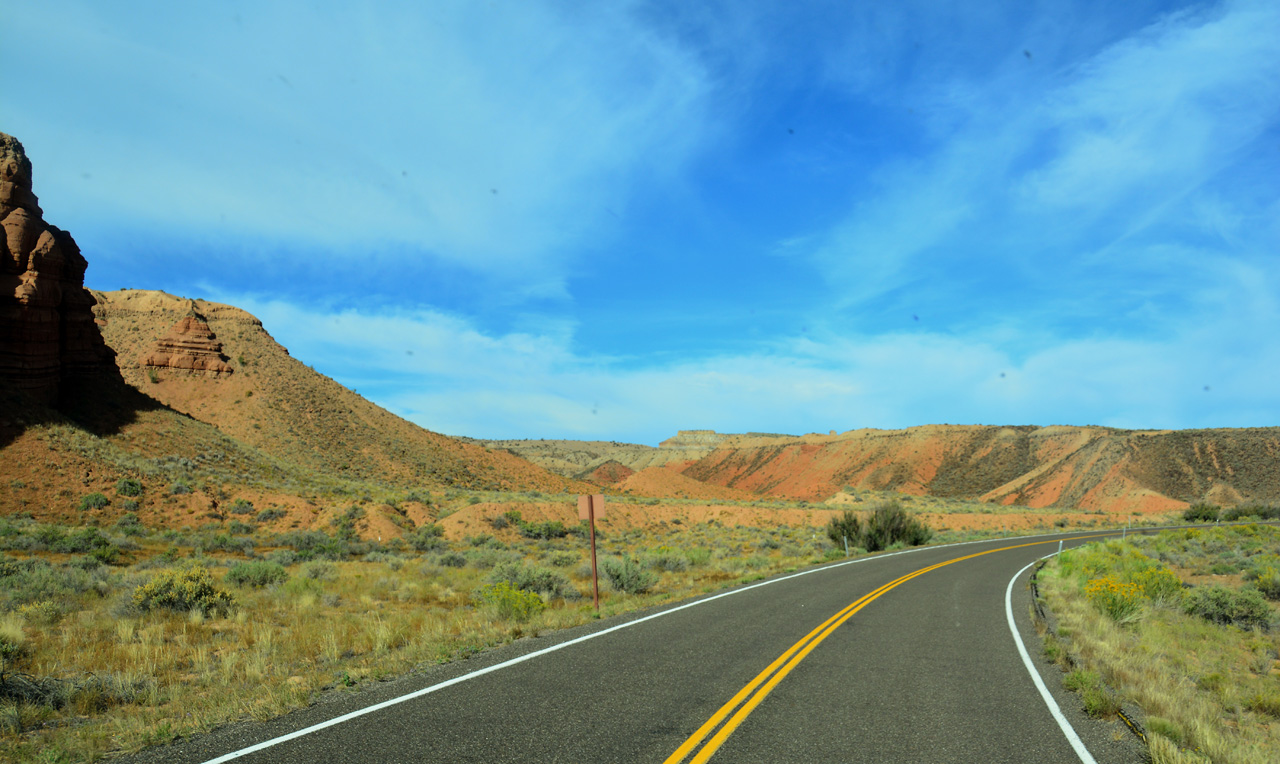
x,y
590,507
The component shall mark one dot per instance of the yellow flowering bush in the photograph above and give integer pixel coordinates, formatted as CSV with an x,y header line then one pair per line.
x,y
185,589
511,603
1158,584
1121,600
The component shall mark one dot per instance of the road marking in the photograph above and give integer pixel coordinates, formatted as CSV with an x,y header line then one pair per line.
x,y
530,656
1076,743
749,697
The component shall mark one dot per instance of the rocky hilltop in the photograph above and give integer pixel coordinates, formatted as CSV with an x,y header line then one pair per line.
x,y
47,332
190,346
279,406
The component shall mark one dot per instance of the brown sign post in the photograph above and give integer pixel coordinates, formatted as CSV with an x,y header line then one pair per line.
x,y
589,508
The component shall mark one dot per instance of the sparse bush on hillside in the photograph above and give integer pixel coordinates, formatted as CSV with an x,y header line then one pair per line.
x,y
451,560
241,507
179,488
267,515
129,525
429,537
551,529
128,487
1201,513
93,501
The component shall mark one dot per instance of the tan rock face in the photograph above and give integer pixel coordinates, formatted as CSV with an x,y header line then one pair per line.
x,y
190,346
47,330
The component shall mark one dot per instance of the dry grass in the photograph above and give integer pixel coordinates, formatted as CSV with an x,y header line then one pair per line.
x,y
332,625
1207,689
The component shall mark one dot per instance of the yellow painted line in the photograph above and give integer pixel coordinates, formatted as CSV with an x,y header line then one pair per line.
x,y
772,674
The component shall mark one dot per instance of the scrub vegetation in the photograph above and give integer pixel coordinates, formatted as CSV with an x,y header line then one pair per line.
x,y
1183,625
115,638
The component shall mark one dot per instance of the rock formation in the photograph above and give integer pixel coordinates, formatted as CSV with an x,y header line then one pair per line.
x,y
47,330
190,346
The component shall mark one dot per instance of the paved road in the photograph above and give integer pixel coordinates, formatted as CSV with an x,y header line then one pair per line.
x,y
926,672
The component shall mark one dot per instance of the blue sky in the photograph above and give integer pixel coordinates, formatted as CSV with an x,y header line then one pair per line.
x,y
531,219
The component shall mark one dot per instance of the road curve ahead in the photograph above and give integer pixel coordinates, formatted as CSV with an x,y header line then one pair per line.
x,y
906,657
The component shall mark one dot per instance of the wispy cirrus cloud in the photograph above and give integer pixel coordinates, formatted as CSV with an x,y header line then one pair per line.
x,y
499,139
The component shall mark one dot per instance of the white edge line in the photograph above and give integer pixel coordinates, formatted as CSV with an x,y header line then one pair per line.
x,y
481,672
1067,729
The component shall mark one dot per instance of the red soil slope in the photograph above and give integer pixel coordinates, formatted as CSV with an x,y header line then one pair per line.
x,y
1086,467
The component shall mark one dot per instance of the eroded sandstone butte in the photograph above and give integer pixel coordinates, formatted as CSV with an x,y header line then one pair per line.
x,y
189,346
47,330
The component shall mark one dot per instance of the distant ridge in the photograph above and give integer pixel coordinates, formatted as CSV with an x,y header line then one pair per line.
x,y
1095,468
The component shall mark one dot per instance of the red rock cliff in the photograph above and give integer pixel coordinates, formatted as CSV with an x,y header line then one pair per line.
x,y
47,330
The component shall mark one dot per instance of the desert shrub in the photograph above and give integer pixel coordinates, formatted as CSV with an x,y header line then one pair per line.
x,y
223,542
625,575
889,524
237,528
1268,582
93,501
551,529
428,537
1120,600
698,556
130,525
510,602
668,559
534,579
845,526
257,574
282,556
183,590
314,544
128,487
267,515
179,488
562,559
13,644
1201,513
452,560
241,507
42,613
320,570
499,522
1245,608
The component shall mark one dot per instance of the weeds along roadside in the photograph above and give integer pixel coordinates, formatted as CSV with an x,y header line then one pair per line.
x,y
101,657
91,670
1183,625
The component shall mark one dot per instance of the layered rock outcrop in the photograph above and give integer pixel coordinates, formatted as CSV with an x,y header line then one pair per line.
x,y
47,329
190,346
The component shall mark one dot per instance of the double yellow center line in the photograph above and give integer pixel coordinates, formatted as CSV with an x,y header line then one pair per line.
x,y
746,700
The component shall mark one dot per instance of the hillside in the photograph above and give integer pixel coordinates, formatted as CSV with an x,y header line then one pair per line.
x,y
1085,467
277,405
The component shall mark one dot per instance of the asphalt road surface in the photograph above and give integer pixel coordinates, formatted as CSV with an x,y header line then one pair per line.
x,y
926,669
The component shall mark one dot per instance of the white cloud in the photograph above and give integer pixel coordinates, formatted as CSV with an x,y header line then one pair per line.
x,y
440,371
495,138
1036,165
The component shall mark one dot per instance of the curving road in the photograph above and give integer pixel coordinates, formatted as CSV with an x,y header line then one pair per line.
x,y
922,670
